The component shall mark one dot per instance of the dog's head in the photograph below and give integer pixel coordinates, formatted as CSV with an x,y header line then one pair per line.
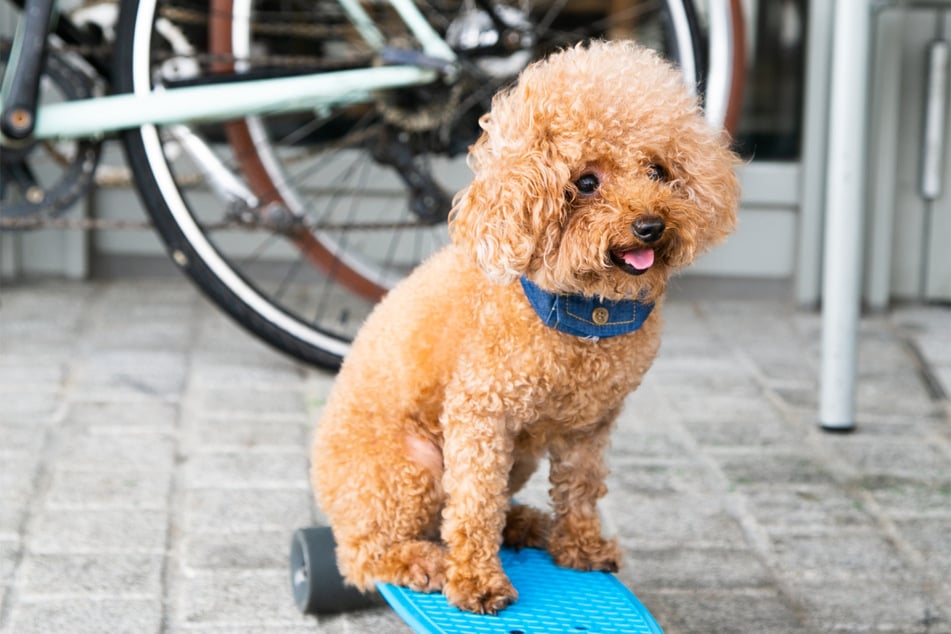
x,y
596,174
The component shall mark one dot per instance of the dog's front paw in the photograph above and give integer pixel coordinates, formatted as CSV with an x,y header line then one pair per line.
x,y
479,593
585,554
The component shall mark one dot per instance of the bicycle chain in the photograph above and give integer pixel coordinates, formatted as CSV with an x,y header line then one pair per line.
x,y
186,15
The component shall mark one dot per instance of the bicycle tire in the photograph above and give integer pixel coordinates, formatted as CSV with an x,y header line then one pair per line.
x,y
218,272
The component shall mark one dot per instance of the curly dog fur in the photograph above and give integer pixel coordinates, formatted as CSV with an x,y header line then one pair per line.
x,y
595,174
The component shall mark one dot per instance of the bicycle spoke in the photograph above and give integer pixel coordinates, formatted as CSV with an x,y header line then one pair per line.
x,y
553,12
289,276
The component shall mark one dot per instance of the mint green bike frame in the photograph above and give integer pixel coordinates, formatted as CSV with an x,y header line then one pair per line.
x,y
97,116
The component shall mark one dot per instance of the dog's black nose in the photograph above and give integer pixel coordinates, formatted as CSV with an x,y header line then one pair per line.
x,y
648,228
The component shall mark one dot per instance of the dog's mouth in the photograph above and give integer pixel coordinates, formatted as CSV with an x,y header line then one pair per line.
x,y
635,261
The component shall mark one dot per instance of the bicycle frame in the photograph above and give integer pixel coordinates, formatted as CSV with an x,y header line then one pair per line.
x,y
100,115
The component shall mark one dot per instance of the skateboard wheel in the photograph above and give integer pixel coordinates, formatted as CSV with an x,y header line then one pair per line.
x,y
316,582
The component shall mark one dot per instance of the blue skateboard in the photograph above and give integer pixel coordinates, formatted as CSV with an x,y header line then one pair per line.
x,y
550,599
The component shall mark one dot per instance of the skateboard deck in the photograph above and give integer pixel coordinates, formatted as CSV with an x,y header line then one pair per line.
x,y
550,600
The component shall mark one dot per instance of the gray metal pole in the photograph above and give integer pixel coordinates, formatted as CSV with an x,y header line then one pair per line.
x,y
845,188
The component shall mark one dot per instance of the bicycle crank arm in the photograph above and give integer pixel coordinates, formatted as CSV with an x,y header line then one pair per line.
x,y
21,87
219,102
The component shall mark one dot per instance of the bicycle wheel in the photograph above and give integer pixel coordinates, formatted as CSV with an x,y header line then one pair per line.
x,y
296,224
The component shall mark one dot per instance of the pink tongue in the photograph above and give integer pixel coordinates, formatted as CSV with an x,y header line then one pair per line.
x,y
640,259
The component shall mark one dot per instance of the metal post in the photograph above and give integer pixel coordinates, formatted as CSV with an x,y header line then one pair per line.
x,y
845,187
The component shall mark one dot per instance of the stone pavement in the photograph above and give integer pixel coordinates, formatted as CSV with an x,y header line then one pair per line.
x,y
153,465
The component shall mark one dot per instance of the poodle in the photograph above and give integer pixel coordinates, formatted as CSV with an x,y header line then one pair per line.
x,y
595,178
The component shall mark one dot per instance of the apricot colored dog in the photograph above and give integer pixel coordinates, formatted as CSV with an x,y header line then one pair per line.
x,y
596,177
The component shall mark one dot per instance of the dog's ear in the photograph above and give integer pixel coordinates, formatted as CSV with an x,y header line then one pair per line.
x,y
711,186
511,214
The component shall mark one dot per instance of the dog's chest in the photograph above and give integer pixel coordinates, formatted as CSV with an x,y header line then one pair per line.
x,y
589,381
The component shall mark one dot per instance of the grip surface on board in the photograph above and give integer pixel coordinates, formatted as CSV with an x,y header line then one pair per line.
x,y
551,599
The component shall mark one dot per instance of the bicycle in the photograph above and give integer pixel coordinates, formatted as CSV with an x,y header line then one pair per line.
x,y
296,156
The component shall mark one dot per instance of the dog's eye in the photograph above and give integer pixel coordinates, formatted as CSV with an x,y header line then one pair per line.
x,y
656,172
587,184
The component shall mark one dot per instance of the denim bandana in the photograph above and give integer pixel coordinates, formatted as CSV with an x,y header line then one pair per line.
x,y
588,317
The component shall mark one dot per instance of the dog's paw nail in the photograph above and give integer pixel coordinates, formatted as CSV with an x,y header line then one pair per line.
x,y
481,597
602,555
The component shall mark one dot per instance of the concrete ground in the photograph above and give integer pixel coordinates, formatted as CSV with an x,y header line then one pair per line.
x,y
153,465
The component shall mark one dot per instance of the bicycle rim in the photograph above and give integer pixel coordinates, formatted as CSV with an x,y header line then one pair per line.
x,y
313,226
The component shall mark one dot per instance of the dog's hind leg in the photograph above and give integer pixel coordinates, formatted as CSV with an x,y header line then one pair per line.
x,y
415,563
526,527
384,508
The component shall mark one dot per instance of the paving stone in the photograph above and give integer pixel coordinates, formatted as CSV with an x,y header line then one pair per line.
x,y
87,616
750,321
4,593
225,511
943,375
718,375
881,353
253,404
100,531
773,468
689,337
209,373
785,362
766,432
872,606
806,509
219,434
654,480
892,456
661,444
38,340
27,437
682,568
799,397
910,496
220,336
898,394
237,550
147,332
9,556
128,374
236,597
932,538
83,451
247,470
122,416
382,620
36,406
847,556
25,372
113,489
306,626
711,612
12,514
98,575
649,522
724,408
17,474
145,296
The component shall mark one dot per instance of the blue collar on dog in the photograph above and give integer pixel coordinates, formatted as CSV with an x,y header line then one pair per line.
x,y
586,316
